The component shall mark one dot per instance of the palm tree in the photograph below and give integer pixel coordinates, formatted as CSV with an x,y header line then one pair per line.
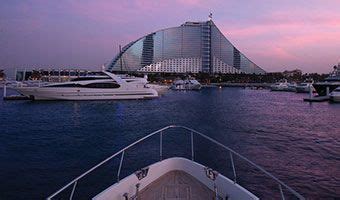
x,y
2,75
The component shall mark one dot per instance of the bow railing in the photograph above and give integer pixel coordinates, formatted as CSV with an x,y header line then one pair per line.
x,y
192,133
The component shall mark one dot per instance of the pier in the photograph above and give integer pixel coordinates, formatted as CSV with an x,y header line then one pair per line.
x,y
16,97
317,98
13,97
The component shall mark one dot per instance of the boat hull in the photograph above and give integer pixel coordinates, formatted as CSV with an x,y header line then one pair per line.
x,y
161,89
46,93
302,89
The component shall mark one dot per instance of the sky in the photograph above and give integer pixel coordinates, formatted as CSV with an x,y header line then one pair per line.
x,y
276,35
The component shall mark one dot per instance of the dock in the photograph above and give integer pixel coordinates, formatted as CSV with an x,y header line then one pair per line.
x,y
16,97
13,97
317,99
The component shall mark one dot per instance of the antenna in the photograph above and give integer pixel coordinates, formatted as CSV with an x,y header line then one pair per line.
x,y
120,59
210,16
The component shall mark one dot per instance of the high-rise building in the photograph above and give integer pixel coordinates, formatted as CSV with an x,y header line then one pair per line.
x,y
190,48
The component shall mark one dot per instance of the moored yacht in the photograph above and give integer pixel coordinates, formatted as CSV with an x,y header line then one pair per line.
x,y
187,84
304,87
283,85
107,87
330,83
171,178
335,95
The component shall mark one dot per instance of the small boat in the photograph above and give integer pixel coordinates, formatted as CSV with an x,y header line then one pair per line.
x,y
335,95
291,87
279,86
304,87
171,178
108,87
187,84
283,85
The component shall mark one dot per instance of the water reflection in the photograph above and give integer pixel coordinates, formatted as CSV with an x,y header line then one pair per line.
x,y
48,143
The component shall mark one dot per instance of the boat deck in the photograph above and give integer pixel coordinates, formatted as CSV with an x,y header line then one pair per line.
x,y
176,185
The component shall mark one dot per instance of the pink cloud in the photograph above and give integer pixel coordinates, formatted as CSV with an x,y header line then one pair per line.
x,y
289,37
271,33
122,12
197,3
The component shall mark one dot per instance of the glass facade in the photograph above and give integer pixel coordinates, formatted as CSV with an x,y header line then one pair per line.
x,y
192,47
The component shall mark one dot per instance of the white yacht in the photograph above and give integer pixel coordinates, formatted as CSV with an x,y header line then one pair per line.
x,y
283,85
171,178
324,88
279,86
335,95
187,84
304,87
108,87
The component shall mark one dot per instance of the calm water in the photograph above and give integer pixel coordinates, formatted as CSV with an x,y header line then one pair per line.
x,y
46,144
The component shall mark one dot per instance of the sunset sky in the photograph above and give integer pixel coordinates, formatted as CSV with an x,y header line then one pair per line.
x,y
276,35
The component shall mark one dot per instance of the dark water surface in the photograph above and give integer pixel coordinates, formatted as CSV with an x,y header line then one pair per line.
x,y
44,145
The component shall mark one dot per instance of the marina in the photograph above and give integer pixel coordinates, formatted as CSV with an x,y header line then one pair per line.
x,y
125,100
55,154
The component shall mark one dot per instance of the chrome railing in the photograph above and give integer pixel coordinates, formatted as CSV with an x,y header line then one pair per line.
x,y
161,131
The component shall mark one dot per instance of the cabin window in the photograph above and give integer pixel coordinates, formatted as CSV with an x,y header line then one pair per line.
x,y
89,78
102,85
65,85
91,85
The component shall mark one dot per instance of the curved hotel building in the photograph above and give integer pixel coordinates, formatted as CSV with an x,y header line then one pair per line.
x,y
190,48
